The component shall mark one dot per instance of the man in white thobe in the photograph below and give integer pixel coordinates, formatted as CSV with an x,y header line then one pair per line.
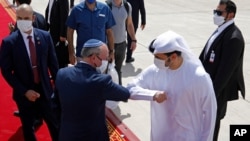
x,y
189,111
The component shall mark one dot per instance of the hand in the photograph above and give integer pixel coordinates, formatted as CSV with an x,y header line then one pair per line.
x,y
133,46
62,39
143,26
111,57
32,95
72,59
160,97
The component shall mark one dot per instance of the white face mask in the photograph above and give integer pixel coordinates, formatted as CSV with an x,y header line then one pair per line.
x,y
218,20
24,25
103,66
159,63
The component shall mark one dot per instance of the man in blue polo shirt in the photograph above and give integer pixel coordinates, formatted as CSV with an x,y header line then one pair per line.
x,y
90,19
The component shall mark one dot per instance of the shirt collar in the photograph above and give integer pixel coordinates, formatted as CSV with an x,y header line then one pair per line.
x,y
113,3
97,6
25,35
225,25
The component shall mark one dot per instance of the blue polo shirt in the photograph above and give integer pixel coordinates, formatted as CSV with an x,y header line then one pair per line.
x,y
90,24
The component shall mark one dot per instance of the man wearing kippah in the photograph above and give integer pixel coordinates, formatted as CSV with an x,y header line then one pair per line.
x,y
83,92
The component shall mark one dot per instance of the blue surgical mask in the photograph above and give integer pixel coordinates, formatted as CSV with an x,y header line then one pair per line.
x,y
90,1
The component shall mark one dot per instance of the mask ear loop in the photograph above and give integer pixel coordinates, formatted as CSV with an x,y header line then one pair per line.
x,y
106,70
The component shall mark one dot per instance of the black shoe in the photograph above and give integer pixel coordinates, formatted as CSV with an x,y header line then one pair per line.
x,y
132,59
16,113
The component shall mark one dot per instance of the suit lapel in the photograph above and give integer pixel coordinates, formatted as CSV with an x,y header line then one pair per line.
x,y
22,47
37,43
214,45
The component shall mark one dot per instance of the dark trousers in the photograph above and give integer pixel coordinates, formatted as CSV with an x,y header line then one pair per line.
x,y
129,51
120,50
221,112
29,111
216,130
71,3
62,54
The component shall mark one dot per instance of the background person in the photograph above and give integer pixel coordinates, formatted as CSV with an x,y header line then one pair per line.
x,y
56,15
91,20
137,6
124,23
222,58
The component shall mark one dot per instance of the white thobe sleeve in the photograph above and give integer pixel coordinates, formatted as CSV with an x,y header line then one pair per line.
x,y
209,108
139,88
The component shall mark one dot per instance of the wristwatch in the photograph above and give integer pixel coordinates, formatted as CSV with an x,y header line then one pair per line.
x,y
134,41
111,51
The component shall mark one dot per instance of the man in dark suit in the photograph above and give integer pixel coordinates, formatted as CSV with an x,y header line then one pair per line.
x,y
137,6
28,61
83,92
222,58
56,15
40,23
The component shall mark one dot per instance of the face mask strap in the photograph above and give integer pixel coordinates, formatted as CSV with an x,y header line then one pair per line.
x,y
106,70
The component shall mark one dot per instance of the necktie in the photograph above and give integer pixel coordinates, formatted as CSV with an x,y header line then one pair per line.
x,y
33,59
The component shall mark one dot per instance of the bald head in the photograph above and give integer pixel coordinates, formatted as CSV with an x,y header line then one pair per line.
x,y
24,12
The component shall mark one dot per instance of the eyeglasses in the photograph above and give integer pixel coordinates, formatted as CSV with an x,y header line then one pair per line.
x,y
98,57
218,12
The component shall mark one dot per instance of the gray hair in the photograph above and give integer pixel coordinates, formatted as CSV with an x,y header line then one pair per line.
x,y
86,52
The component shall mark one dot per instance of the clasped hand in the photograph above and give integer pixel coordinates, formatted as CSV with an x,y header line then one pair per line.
x,y
32,95
160,96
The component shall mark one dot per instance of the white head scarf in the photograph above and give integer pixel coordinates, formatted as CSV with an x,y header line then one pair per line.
x,y
170,41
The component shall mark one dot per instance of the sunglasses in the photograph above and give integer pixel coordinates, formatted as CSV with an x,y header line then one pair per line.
x,y
218,12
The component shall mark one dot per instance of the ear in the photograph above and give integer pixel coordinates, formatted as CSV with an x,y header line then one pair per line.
x,y
230,15
93,57
173,56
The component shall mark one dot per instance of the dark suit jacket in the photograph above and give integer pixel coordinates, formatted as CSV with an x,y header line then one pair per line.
x,y
226,71
16,67
40,21
58,17
138,6
82,93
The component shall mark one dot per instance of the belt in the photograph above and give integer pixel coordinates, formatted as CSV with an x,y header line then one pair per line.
x,y
124,42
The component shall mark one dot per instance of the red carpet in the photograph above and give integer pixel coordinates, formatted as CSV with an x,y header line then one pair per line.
x,y
10,126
